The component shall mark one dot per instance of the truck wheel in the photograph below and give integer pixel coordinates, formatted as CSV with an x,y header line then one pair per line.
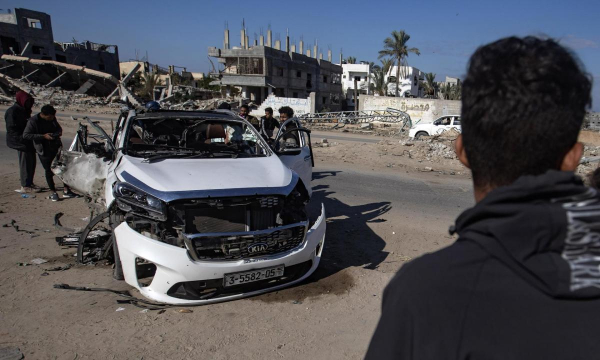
x,y
118,271
420,134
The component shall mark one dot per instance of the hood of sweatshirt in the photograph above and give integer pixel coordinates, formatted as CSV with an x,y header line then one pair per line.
x,y
545,228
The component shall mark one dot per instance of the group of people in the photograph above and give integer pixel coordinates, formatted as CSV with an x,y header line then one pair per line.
x,y
266,125
30,135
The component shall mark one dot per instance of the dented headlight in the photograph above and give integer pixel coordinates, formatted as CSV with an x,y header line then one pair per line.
x,y
132,199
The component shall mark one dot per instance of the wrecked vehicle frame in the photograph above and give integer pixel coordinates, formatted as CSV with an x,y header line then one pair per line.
x,y
202,208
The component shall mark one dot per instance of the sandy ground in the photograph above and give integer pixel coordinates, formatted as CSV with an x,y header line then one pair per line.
x,y
384,208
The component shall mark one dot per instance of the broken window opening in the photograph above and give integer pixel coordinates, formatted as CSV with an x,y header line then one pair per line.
x,y
279,71
34,23
336,79
9,43
357,78
299,74
37,50
244,66
335,99
325,78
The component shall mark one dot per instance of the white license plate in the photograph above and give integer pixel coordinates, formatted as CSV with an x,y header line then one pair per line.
x,y
253,275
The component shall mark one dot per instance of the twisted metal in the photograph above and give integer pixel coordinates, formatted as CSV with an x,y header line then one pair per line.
x,y
388,115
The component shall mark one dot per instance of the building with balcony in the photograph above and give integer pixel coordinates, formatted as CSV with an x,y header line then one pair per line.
x,y
261,70
362,74
410,78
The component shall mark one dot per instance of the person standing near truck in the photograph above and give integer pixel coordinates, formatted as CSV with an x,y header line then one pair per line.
x,y
16,119
45,132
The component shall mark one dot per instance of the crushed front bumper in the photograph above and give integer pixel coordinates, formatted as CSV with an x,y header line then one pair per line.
x,y
175,267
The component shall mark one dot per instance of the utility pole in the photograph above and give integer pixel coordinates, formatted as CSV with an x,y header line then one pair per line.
x,y
355,95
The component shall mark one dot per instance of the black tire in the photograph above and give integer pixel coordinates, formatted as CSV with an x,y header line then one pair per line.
x,y
420,134
118,270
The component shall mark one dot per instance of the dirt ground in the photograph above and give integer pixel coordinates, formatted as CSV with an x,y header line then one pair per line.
x,y
330,316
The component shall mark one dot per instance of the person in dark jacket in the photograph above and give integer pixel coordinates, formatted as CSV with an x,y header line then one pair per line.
x,y
45,132
522,281
268,123
291,139
16,119
245,113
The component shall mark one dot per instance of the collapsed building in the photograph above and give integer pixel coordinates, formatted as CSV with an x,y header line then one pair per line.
x,y
18,72
265,68
28,33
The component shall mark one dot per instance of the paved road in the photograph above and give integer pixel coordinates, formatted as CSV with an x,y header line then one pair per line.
x,y
343,137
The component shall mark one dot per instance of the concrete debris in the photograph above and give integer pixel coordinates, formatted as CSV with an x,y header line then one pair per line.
x,y
589,162
11,353
38,261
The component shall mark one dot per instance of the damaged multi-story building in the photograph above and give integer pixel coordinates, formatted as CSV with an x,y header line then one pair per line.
x,y
28,33
264,68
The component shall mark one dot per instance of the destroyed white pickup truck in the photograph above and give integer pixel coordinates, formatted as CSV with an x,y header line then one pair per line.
x,y
202,200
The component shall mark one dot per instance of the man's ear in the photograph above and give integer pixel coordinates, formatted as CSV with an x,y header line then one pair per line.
x,y
459,148
573,157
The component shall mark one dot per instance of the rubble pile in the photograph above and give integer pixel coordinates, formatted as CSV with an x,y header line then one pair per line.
x,y
68,100
589,162
63,99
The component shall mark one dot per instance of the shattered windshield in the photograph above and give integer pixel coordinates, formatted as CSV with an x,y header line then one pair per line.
x,y
160,138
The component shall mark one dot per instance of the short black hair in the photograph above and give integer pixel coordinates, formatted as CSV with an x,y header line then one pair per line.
x,y
224,106
245,107
269,110
48,110
286,110
523,104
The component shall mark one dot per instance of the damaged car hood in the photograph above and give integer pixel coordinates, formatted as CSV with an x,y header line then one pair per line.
x,y
173,179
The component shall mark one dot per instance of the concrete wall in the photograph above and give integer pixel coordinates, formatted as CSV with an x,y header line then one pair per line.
x,y
425,110
300,106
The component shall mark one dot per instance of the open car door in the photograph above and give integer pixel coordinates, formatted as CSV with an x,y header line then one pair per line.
x,y
84,165
292,145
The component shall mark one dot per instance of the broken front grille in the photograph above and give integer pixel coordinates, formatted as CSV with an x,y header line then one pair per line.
x,y
236,246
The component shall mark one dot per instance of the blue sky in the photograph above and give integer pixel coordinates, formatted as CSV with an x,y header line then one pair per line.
x,y
446,32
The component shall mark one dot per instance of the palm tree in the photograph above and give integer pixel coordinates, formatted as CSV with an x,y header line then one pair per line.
x,y
395,47
350,60
149,81
386,65
380,84
451,91
430,86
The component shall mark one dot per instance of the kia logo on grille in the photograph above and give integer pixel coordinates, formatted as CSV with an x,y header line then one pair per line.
x,y
255,248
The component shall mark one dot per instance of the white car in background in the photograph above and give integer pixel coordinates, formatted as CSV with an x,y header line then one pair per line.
x,y
440,125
